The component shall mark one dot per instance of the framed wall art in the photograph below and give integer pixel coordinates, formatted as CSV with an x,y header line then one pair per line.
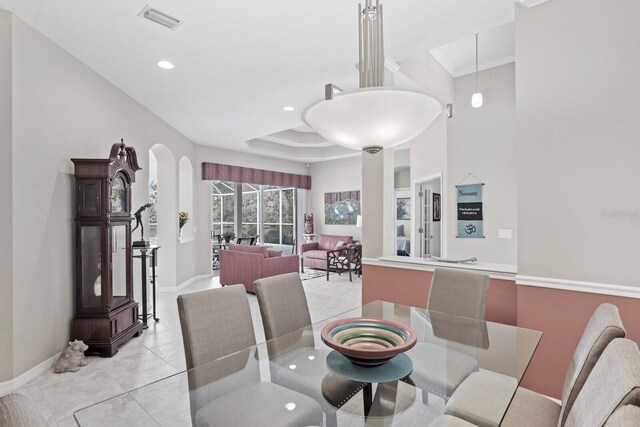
x,y
342,208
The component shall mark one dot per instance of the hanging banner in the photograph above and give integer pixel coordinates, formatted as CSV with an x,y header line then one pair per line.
x,y
470,211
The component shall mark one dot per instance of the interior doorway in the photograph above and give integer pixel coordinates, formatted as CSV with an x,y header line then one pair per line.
x,y
429,215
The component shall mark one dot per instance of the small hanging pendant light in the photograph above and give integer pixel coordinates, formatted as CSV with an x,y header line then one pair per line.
x,y
476,98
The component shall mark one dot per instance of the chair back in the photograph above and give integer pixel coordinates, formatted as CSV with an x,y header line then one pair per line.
x,y
460,293
604,326
215,323
625,416
283,304
246,241
613,383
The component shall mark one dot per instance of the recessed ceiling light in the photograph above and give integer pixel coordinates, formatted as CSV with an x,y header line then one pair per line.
x,y
288,108
165,64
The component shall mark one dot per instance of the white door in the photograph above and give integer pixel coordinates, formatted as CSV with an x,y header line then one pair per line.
x,y
425,226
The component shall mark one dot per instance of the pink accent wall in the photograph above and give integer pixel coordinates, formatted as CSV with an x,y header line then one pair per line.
x,y
411,287
560,315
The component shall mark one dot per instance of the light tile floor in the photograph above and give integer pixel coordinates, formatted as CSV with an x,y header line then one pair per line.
x,y
158,353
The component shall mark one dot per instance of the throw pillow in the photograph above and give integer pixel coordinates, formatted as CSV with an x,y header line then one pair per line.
x,y
273,253
340,244
400,231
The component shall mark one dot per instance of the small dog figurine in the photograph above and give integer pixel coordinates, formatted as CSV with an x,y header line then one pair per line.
x,y
72,358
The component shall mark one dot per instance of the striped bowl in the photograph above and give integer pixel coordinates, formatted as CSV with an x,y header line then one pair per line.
x,y
368,342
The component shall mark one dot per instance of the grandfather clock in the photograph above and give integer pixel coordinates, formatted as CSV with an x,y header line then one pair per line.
x,y
106,314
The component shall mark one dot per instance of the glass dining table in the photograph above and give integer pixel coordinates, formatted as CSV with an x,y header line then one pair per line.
x,y
407,391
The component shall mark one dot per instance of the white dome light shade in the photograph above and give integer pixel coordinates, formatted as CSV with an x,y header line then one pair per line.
x,y
476,100
376,116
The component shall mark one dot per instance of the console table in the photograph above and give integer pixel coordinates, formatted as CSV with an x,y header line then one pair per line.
x,y
143,254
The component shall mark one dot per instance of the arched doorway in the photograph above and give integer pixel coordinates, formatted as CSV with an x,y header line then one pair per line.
x,y
164,232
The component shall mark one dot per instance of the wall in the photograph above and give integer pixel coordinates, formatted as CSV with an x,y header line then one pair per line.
x,y
429,149
482,141
331,176
578,151
63,109
402,178
6,211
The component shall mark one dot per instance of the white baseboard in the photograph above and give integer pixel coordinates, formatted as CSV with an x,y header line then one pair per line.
x,y
578,286
184,284
26,377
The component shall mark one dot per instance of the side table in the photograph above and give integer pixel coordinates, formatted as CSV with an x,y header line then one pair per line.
x,y
144,254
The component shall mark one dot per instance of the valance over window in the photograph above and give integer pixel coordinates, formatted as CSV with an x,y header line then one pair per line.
x,y
219,172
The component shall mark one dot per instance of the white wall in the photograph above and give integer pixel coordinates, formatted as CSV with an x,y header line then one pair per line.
x,y
6,212
482,141
63,109
578,107
429,149
402,178
328,177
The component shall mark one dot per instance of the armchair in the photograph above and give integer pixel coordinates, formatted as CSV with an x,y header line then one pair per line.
x,y
315,254
342,260
245,264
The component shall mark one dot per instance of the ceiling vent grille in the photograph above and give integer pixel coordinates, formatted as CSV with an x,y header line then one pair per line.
x,y
160,17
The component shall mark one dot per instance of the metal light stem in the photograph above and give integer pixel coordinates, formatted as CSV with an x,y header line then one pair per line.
x,y
476,62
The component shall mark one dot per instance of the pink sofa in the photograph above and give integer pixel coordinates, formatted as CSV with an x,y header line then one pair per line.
x,y
315,254
246,264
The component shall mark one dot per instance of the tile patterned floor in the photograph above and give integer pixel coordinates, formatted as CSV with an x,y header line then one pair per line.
x,y
158,353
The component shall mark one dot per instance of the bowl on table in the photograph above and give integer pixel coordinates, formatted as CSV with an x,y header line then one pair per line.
x,y
368,342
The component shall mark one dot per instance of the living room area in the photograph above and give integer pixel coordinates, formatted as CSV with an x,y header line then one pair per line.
x,y
150,165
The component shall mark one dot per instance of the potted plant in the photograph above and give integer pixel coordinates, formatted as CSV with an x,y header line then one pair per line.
x,y
228,235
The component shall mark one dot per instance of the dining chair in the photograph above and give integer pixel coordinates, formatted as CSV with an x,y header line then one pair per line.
x,y
284,311
445,366
625,416
457,292
246,241
613,383
224,376
471,401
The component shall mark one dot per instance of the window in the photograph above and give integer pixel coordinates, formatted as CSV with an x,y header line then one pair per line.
x,y
223,207
267,211
153,213
250,211
279,212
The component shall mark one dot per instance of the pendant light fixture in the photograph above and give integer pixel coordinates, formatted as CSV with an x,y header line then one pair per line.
x,y
373,117
476,98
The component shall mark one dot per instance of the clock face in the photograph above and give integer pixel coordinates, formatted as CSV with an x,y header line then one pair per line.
x,y
118,195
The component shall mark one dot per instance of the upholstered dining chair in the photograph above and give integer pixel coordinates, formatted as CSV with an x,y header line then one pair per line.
x,y
458,293
228,392
613,383
284,311
625,416
471,399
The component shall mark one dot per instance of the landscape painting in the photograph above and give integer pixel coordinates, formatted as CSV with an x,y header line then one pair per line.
x,y
342,208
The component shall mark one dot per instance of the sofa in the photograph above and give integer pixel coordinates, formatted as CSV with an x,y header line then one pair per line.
x,y
246,264
315,253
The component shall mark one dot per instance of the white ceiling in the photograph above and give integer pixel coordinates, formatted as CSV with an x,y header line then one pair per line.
x,y
237,63
495,47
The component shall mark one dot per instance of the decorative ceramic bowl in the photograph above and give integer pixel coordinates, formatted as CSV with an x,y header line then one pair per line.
x,y
368,342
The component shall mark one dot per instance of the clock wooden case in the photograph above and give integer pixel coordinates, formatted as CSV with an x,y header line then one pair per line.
x,y
106,314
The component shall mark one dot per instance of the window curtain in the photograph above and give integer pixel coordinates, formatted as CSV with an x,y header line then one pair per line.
x,y
219,172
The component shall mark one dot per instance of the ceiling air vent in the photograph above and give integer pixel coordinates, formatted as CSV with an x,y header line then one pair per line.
x,y
160,17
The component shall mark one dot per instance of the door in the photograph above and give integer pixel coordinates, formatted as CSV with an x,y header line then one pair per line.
x,y
425,227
